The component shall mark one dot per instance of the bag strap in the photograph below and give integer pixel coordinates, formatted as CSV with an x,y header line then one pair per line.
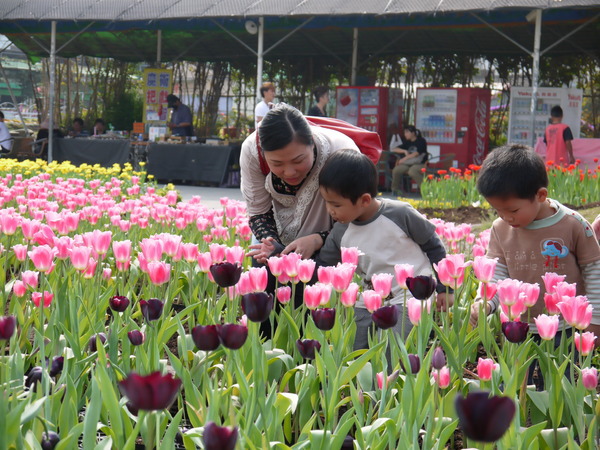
x,y
264,167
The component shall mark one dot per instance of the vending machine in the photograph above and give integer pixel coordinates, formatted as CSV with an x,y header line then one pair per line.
x,y
519,120
456,119
373,108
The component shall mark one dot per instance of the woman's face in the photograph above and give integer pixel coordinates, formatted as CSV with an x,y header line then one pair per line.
x,y
291,163
409,135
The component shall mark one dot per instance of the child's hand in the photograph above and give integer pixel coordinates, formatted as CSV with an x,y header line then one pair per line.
x,y
307,246
444,301
475,311
261,252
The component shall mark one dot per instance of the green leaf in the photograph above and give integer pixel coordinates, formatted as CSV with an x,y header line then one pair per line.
x,y
31,410
352,371
92,416
527,436
558,441
171,433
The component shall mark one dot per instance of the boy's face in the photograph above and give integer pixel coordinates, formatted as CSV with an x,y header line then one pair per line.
x,y
342,209
520,212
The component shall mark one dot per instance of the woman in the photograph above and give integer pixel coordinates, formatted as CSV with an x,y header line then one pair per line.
x,y
414,156
321,95
287,213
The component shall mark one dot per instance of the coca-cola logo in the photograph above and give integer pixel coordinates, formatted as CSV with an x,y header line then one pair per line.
x,y
481,111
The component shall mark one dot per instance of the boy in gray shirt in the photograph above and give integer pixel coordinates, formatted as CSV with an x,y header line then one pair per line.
x,y
386,232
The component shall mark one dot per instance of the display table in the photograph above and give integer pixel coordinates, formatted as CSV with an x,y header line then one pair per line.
x,y
199,163
586,150
105,152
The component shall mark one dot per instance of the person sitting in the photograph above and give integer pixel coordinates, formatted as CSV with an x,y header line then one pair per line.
x,y
6,141
99,127
321,94
77,129
414,156
43,135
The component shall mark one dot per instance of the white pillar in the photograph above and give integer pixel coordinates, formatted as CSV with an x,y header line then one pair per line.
x,y
51,94
259,57
535,71
354,57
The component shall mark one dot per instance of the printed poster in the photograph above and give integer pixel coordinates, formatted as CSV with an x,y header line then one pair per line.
x,y
157,85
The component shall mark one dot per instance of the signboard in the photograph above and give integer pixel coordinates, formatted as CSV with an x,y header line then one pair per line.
x,y
519,124
157,85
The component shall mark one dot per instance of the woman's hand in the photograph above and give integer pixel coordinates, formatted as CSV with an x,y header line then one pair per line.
x,y
261,252
306,246
444,301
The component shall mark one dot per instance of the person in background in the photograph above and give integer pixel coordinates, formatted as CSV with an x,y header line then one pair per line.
x,y
99,127
414,155
558,137
321,95
267,92
181,118
6,141
77,129
596,227
42,136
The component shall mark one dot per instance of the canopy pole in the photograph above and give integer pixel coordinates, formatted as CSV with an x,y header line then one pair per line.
x,y
354,57
14,99
259,57
158,47
535,71
51,94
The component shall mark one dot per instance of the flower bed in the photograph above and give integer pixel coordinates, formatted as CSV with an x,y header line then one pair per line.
x,y
131,317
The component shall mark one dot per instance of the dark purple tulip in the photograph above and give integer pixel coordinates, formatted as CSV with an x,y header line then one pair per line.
x,y
93,345
232,335
348,443
33,377
219,438
226,274
415,364
119,303
439,358
421,287
324,318
515,331
49,440
151,309
484,418
136,337
385,317
308,347
57,365
206,337
257,306
7,327
151,392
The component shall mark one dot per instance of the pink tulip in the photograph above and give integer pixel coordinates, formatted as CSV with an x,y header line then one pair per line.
x,y
284,294
29,228
551,280
290,264
45,235
348,297
325,294
90,270
63,247
415,308
372,300
484,268
19,288
380,379
122,251
487,291
244,285
547,326
515,310
306,268
98,240
551,301
478,250
589,378
403,271
259,277
442,377
171,244
20,252
509,291
152,249
106,273
531,293
325,274
584,343
9,223
341,276
235,254
382,283
275,264
30,278
159,272
564,289
189,251
312,296
350,255
80,257
36,297
42,257
577,311
204,262
451,270
485,368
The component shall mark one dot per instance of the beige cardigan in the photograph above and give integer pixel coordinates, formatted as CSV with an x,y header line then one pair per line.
x,y
296,215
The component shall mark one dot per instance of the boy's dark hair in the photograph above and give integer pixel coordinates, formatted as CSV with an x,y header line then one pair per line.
x,y
319,92
413,129
556,111
283,125
78,120
350,174
1,115
99,121
512,170
266,87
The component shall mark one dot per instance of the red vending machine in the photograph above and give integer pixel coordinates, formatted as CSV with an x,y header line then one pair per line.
x,y
456,119
373,108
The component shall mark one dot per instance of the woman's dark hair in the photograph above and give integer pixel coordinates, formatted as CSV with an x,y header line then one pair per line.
x,y
78,120
512,171
350,174
283,125
319,92
413,129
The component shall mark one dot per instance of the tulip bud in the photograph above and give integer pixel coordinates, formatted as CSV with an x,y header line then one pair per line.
x,y
136,337
151,309
219,438
589,378
206,337
257,306
8,325
324,318
515,332
385,317
439,358
422,286
307,347
33,377
119,303
93,344
232,335
49,440
484,418
57,365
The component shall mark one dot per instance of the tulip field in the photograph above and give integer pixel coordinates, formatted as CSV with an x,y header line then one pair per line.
x,y
132,320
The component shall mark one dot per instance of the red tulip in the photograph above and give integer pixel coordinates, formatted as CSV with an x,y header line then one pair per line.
x,y
232,336
484,418
257,306
8,325
226,274
136,337
422,286
324,318
515,332
151,309
307,347
93,343
206,337
151,392
118,303
385,317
